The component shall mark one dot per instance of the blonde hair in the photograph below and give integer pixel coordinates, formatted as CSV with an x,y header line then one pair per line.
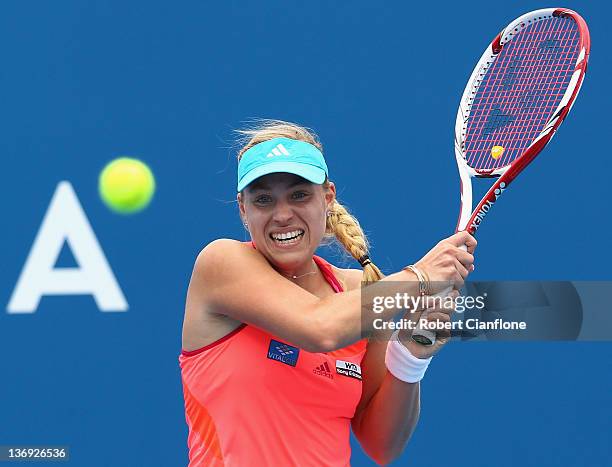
x,y
340,224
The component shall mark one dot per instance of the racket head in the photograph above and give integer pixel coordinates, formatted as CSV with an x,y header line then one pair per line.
x,y
520,91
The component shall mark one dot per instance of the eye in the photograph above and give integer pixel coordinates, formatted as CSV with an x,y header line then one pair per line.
x,y
300,195
263,199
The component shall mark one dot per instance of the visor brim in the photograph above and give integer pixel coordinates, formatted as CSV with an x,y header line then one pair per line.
x,y
310,172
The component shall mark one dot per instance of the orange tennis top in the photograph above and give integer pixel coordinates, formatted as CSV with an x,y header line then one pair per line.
x,y
254,399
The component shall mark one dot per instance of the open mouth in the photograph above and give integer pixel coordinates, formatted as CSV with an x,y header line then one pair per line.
x,y
287,238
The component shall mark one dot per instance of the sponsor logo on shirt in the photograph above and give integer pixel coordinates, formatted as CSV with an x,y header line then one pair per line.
x,y
350,369
283,353
323,370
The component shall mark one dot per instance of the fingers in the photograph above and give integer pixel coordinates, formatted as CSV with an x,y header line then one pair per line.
x,y
449,262
464,238
470,243
466,260
462,270
464,256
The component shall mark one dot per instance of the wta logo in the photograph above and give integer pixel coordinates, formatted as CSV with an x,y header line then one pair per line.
x,y
486,207
350,369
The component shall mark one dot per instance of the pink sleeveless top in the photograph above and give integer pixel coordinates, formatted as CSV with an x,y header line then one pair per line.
x,y
254,399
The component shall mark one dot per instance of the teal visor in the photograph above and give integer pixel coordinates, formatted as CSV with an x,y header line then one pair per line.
x,y
282,155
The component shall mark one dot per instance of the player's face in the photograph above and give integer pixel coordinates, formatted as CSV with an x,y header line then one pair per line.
x,y
286,217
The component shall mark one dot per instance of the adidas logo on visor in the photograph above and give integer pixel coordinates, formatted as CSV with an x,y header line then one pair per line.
x,y
279,150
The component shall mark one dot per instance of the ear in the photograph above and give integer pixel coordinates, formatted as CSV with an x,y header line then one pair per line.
x,y
330,195
240,200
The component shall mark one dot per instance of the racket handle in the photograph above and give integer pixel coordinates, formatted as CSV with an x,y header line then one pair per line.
x,y
425,336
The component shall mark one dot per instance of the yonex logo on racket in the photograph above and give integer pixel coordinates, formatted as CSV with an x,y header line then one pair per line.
x,y
484,209
279,150
498,191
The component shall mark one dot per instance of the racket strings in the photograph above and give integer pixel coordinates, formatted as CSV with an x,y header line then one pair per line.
x,y
520,91
510,67
550,76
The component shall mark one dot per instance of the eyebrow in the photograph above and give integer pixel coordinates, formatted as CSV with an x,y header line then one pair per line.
x,y
258,185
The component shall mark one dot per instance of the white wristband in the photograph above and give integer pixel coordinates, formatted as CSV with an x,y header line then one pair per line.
x,y
402,364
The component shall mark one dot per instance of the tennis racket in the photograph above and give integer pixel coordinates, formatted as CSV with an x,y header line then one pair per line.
x,y
520,91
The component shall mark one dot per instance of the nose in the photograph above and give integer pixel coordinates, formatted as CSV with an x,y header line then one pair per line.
x,y
282,213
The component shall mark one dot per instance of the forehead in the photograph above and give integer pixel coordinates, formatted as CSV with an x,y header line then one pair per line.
x,y
279,180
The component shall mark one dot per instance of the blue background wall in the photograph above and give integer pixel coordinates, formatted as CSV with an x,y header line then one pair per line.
x,y
85,82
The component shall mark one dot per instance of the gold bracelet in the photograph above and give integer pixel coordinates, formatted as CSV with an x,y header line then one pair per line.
x,y
427,280
423,282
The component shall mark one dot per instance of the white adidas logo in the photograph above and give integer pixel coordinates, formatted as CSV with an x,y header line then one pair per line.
x,y
279,150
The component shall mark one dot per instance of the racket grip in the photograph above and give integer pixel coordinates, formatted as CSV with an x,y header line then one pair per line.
x,y
425,336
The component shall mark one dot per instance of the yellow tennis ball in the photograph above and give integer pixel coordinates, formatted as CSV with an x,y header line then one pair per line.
x,y
497,151
126,185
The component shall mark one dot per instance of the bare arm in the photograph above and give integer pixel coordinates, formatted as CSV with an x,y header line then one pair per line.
x,y
384,427
389,409
236,281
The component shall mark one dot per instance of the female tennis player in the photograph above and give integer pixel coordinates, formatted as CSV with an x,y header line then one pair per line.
x,y
274,367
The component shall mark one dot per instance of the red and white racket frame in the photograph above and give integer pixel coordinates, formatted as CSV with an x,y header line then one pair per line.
x,y
470,220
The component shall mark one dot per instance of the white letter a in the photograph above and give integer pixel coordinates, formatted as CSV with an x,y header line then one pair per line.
x,y
65,220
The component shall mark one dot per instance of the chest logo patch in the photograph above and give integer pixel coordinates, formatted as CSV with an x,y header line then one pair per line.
x,y
350,369
323,370
283,353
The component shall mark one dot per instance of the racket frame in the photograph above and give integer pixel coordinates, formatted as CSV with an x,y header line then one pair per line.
x,y
470,219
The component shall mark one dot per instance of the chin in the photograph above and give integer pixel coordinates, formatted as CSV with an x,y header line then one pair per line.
x,y
289,256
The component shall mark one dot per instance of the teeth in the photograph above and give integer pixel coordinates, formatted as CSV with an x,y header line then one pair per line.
x,y
287,235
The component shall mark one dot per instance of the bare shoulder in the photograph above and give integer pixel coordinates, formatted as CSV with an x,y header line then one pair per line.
x,y
219,250
226,256
201,326
221,261
233,283
350,278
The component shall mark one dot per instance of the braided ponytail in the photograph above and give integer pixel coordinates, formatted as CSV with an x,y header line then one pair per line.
x,y
345,227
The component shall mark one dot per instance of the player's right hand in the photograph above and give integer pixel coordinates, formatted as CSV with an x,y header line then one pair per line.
x,y
448,263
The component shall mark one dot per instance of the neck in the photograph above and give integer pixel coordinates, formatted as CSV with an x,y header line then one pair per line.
x,y
302,274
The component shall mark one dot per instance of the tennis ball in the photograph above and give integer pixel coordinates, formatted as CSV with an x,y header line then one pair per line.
x,y
497,151
126,185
